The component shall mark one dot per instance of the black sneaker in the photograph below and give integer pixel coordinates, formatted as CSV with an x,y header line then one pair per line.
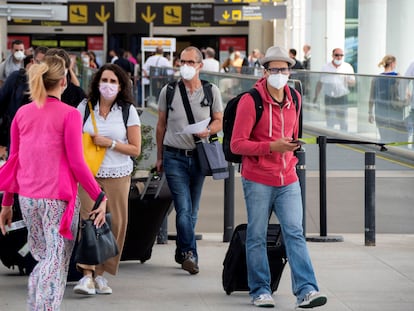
x,y
179,258
190,263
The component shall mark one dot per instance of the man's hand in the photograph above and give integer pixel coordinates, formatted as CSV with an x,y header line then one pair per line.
x,y
283,144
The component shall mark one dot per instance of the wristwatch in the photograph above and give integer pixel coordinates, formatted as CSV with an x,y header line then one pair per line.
x,y
113,145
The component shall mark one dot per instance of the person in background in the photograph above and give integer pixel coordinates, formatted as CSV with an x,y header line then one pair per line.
x,y
158,75
113,56
110,93
385,100
254,58
92,60
125,64
130,57
176,154
47,166
209,62
307,57
13,62
73,94
270,182
336,89
292,55
39,54
13,95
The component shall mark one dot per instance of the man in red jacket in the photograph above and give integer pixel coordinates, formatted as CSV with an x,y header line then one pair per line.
x,y
270,182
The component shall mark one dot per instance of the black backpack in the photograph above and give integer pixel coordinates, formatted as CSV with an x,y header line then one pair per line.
x,y
230,115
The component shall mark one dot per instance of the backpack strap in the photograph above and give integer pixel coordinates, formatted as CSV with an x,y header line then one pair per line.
x,y
208,93
125,113
169,96
257,102
295,100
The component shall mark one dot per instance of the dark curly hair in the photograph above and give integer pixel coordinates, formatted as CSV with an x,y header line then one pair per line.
x,y
125,94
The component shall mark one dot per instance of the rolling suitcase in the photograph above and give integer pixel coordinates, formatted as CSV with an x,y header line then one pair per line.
x,y
147,207
14,250
234,266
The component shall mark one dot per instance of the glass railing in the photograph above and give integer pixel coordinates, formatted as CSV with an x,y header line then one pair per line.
x,y
376,108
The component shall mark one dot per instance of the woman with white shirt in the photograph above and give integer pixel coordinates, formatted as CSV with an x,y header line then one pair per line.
x,y
110,96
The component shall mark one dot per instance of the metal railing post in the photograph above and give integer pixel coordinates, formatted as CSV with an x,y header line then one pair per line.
x,y
229,205
301,172
370,199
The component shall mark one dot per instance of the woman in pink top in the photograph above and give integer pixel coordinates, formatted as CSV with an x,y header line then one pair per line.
x,y
45,166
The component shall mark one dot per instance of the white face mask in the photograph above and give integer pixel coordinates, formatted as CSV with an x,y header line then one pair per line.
x,y
108,90
278,81
338,62
19,55
187,72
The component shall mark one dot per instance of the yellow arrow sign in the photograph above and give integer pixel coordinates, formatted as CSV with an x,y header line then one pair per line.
x,y
102,16
148,17
226,15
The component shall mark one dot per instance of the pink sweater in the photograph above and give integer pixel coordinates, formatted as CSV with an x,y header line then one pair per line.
x,y
253,142
46,158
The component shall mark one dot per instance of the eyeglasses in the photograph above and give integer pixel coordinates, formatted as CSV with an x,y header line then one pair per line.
x,y
284,70
188,62
338,55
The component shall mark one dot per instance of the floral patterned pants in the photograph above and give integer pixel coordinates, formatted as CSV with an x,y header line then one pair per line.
x,y
48,279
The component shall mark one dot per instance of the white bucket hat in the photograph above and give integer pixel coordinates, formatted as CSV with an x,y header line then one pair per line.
x,y
277,53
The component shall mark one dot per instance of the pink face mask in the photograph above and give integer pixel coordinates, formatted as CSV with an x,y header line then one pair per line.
x,y
108,90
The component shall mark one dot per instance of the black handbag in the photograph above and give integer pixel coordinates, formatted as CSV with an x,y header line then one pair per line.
x,y
209,154
96,244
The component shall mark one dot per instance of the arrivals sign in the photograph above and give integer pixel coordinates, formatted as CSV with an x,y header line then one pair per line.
x,y
249,12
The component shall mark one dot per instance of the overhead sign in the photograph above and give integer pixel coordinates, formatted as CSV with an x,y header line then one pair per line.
x,y
77,14
246,1
179,14
35,11
249,13
151,43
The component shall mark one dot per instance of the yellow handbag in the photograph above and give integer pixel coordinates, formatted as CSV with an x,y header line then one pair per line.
x,y
92,153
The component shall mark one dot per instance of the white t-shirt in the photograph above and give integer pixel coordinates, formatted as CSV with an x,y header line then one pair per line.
x,y
115,164
211,64
154,61
335,85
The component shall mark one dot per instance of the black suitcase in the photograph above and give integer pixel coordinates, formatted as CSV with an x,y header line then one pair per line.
x,y
234,266
13,246
146,211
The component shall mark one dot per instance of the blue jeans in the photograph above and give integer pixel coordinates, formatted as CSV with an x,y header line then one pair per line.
x,y
286,203
186,183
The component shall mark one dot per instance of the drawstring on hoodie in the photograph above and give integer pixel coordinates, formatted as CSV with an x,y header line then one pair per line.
x,y
270,120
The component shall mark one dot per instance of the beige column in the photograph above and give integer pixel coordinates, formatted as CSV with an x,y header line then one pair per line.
x,y
371,35
3,34
400,25
328,30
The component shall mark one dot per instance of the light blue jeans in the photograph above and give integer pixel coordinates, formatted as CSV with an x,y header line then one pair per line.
x,y
186,183
286,203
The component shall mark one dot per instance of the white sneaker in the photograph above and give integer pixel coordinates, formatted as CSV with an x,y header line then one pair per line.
x,y
312,299
264,300
102,287
85,286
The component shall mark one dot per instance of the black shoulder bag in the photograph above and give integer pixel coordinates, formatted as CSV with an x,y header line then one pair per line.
x,y
210,154
96,244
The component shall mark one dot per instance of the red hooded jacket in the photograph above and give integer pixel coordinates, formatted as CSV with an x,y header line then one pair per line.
x,y
253,141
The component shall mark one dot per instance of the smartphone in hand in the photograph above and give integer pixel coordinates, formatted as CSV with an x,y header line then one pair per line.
x,y
298,142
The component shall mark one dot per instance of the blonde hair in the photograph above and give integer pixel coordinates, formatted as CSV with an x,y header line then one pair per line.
x,y
387,60
44,77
